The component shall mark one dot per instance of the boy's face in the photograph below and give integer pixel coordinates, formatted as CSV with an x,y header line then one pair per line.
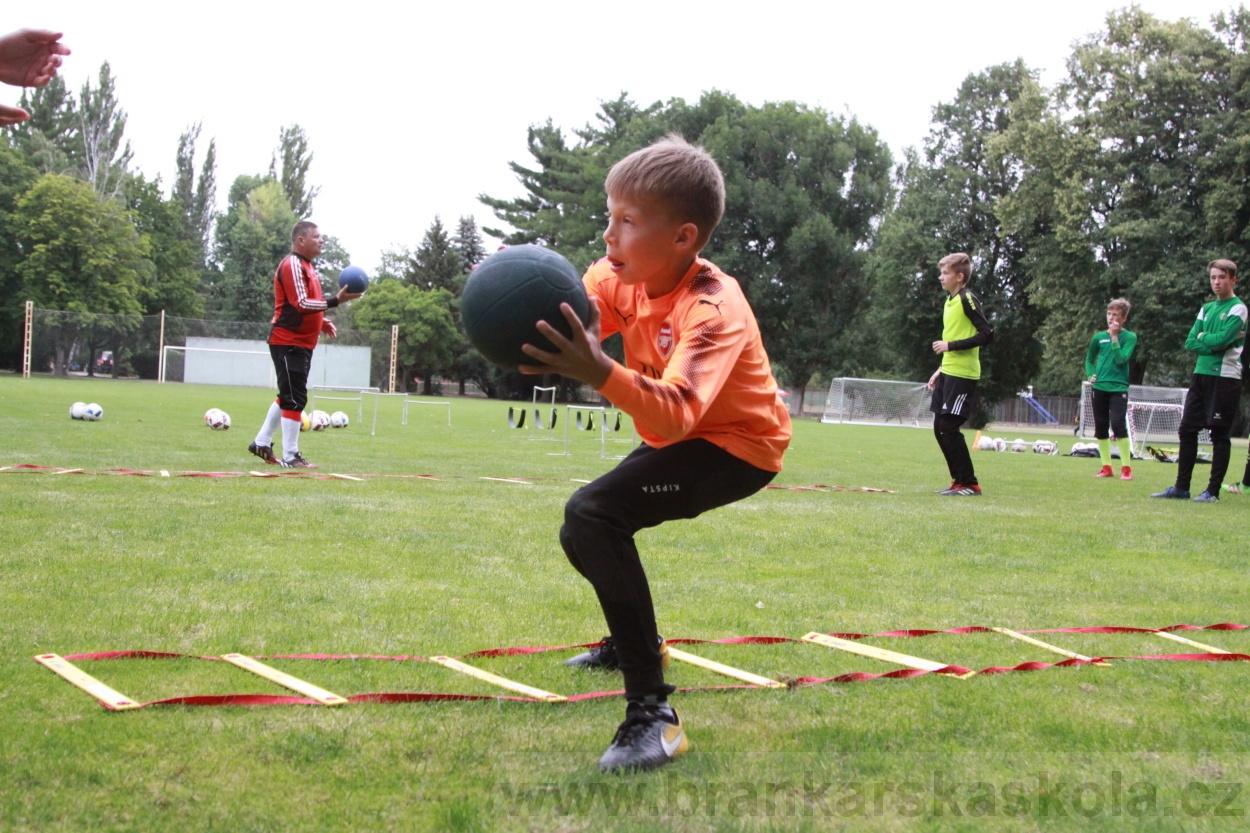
x,y
952,281
1222,284
1115,319
646,246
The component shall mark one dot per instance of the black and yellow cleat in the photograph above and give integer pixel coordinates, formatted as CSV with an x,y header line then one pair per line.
x,y
650,737
603,656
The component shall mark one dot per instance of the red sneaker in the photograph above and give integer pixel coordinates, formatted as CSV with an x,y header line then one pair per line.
x,y
1126,473
1105,471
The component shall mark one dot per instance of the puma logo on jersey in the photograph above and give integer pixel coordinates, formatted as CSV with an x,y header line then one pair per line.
x,y
625,316
711,304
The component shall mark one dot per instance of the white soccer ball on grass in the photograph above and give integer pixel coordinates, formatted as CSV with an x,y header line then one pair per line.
x,y
217,419
1019,445
78,410
94,412
338,419
319,421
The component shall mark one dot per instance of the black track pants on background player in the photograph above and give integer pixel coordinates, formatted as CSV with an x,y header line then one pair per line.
x,y
954,448
649,487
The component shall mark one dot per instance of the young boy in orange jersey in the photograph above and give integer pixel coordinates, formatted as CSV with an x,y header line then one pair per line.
x,y
698,384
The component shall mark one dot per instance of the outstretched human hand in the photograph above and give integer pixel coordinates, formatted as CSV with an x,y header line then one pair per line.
x,y
578,357
30,57
10,116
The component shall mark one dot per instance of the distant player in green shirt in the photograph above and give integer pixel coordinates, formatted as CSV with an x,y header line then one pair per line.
x,y
1106,367
1218,335
964,332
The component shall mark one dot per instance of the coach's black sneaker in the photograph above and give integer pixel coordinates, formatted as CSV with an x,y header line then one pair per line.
x,y
961,490
954,485
650,737
603,656
1207,497
264,452
1173,493
297,461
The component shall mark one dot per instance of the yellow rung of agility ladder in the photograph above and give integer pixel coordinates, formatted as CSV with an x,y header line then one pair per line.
x,y
882,654
108,697
1052,648
325,698
1208,648
726,670
502,682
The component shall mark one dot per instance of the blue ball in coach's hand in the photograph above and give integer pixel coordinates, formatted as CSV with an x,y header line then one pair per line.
x,y
354,278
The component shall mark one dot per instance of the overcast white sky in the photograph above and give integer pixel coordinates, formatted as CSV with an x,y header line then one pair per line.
x,y
413,110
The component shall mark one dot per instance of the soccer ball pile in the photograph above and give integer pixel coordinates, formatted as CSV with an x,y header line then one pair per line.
x,y
338,419
217,419
319,421
90,412
1017,445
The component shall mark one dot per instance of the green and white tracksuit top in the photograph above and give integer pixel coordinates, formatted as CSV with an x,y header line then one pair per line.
x,y
1108,362
1218,335
966,330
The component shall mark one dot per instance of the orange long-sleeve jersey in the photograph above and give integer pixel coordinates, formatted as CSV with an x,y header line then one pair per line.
x,y
694,364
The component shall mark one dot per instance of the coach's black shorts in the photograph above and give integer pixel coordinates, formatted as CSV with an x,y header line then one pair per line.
x,y
953,395
1212,402
291,365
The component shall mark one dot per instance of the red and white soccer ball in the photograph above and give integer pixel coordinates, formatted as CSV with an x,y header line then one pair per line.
x,y
319,421
217,419
338,419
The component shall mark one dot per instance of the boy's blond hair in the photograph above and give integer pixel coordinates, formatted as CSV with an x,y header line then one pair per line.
x,y
958,262
1120,305
684,178
1227,265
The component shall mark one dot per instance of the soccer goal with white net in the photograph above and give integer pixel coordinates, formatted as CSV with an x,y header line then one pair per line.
x,y
1154,416
878,402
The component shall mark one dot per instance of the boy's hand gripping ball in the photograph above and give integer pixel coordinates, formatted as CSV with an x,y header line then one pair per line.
x,y
510,292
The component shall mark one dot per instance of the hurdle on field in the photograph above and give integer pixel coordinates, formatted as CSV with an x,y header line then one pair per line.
x,y
359,398
410,401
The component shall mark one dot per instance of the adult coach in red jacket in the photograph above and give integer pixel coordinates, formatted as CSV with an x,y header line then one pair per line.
x,y
298,320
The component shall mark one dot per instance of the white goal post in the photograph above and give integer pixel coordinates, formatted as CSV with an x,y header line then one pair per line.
x,y
252,365
878,402
1154,416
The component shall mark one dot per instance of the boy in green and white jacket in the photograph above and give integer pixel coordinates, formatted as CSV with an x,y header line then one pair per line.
x,y
1218,336
1106,367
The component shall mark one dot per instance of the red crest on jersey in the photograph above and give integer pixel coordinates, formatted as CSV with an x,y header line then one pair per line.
x,y
665,340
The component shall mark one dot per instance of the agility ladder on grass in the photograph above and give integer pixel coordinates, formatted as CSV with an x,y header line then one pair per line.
x,y
310,694
305,474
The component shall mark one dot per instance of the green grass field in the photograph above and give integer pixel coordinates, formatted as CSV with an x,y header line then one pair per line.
x,y
91,562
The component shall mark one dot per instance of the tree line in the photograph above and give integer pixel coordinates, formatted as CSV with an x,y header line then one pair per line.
x,y
1123,179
